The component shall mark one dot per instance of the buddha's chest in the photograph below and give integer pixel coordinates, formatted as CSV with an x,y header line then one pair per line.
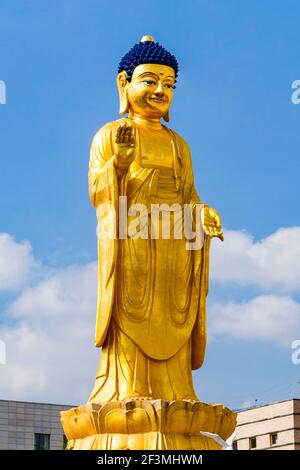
x,y
156,150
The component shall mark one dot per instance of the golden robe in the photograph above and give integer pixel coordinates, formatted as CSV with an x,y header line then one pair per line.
x,y
151,292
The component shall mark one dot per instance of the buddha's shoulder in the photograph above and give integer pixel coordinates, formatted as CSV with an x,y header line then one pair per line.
x,y
108,129
181,142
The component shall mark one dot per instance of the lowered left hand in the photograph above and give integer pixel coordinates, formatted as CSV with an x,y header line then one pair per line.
x,y
212,223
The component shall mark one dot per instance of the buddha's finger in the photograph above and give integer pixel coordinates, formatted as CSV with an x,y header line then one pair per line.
x,y
217,232
218,221
210,221
127,134
117,138
131,138
120,131
207,231
214,231
209,218
217,224
122,134
213,216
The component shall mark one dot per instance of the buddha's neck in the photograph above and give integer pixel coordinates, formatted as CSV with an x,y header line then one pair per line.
x,y
149,123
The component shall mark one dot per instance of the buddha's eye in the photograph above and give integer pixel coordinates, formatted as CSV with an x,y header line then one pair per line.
x,y
149,82
169,85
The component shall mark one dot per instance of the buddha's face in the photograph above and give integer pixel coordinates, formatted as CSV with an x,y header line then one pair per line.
x,y
150,90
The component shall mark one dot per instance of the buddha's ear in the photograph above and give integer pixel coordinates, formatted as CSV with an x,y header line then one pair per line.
x,y
166,117
122,84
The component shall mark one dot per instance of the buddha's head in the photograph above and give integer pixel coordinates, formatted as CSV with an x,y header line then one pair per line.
x,y
146,80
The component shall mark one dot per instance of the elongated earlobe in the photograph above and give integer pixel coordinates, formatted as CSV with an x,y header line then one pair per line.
x,y
166,117
122,88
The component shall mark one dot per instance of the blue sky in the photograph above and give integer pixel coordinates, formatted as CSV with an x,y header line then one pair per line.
x,y
232,104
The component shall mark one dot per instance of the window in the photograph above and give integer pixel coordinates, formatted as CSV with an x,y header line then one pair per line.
x,y
234,445
41,441
252,442
273,438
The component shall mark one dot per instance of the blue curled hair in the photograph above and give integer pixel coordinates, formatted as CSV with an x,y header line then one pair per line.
x,y
147,52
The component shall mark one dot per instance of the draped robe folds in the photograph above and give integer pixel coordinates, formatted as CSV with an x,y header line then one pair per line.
x,y
151,312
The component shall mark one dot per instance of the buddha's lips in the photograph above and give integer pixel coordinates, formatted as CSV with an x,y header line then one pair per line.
x,y
158,100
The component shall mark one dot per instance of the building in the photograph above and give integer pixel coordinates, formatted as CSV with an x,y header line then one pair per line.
x,y
275,427
29,426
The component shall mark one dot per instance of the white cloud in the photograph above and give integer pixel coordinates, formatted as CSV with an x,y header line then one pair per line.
x,y
16,263
265,318
53,364
248,404
69,292
272,263
49,342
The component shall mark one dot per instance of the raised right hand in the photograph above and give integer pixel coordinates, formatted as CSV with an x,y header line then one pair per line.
x,y
124,145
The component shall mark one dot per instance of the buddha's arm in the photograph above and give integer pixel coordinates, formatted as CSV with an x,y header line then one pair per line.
x,y
103,190
101,166
112,152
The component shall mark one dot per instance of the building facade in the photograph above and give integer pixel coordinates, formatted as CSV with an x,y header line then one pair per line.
x,y
269,427
29,426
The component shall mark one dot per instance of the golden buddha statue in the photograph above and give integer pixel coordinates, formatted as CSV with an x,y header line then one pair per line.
x,y
151,290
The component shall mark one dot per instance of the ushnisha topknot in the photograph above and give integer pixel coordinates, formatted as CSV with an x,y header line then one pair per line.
x,y
147,51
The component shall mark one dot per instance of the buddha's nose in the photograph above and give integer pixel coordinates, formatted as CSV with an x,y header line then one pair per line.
x,y
159,89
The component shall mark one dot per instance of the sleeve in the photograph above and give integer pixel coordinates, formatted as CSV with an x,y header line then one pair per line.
x,y
103,191
201,262
101,167
190,193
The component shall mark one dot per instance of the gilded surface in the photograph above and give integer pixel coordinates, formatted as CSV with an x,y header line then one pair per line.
x,y
147,425
151,312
